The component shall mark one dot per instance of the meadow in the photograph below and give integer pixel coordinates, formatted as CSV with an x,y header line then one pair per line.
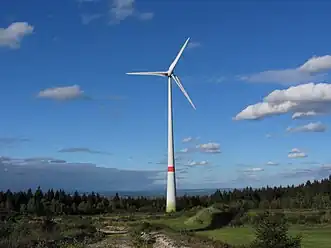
x,y
225,219
313,235
191,228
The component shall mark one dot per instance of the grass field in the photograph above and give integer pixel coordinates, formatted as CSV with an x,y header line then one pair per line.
x,y
312,236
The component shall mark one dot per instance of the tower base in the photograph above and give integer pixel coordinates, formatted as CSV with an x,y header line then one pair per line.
x,y
171,208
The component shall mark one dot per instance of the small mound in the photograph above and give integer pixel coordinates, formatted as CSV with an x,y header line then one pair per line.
x,y
202,217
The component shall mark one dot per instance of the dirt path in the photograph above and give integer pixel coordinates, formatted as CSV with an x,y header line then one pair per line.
x,y
114,241
119,237
124,241
163,241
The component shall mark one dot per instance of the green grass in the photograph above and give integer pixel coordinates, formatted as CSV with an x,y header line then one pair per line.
x,y
202,217
174,223
312,236
316,236
230,235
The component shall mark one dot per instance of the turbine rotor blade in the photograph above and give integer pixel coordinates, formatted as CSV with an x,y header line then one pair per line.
x,y
177,80
149,73
174,63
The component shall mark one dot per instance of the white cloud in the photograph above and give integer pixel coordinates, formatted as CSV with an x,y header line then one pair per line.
x,y
206,148
122,9
296,153
184,150
263,109
309,71
300,115
215,79
309,92
247,178
289,76
194,163
87,18
62,93
145,16
256,169
302,99
310,127
210,147
317,64
268,135
249,174
193,44
12,35
272,163
295,150
188,139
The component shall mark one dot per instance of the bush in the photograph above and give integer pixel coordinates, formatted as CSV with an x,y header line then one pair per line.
x,y
272,232
48,225
326,218
86,225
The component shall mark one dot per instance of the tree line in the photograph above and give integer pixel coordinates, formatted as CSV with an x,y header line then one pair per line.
x,y
310,195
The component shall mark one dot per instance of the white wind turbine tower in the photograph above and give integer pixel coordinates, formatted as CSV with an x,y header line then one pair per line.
x,y
171,184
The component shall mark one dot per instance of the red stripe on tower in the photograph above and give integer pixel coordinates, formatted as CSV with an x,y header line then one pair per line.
x,y
171,169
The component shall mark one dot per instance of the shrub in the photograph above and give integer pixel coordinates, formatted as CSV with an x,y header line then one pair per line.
x,y
272,232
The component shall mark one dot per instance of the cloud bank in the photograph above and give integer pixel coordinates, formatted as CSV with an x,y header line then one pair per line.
x,y
312,70
21,174
12,140
83,150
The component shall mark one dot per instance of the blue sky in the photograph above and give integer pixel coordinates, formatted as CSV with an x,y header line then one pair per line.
x,y
239,54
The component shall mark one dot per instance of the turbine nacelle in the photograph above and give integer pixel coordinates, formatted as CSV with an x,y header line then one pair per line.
x,y
170,73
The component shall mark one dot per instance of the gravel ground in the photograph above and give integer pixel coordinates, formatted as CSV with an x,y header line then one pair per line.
x,y
163,241
124,241
114,242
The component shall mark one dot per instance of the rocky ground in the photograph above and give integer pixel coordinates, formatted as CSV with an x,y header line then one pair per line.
x,y
120,238
122,233
114,242
164,241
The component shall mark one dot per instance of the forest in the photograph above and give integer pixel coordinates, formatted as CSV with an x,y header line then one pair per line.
x,y
310,195
55,218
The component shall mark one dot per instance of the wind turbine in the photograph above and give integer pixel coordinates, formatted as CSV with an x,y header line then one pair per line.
x,y
171,183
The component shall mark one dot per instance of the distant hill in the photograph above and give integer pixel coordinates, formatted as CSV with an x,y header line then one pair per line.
x,y
161,192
